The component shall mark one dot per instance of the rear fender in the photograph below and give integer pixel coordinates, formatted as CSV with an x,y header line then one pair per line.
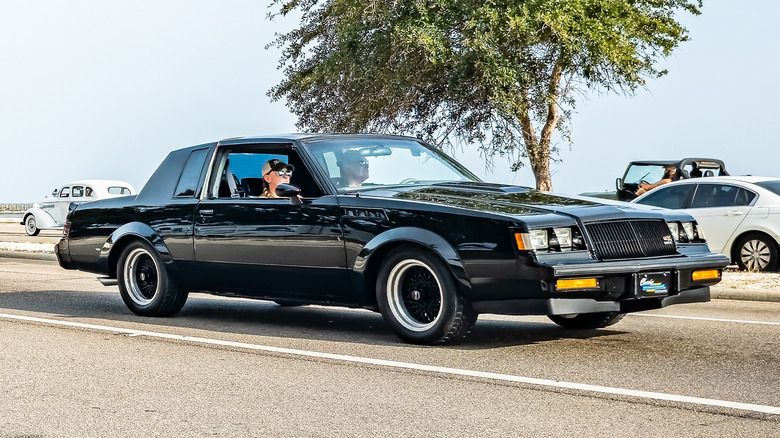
x,y
109,253
43,220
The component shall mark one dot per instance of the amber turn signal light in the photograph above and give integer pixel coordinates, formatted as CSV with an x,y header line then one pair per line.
x,y
521,242
577,283
705,275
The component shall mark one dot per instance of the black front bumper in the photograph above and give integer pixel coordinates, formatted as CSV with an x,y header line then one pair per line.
x,y
567,306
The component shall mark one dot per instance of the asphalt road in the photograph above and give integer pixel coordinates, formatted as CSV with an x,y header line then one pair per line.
x,y
232,367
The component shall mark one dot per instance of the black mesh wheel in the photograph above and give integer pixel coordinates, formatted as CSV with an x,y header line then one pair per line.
x,y
417,295
146,286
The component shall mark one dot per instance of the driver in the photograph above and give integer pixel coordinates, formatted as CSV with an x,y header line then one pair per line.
x,y
275,172
353,168
669,176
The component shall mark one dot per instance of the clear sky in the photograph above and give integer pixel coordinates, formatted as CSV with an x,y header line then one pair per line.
x,y
105,89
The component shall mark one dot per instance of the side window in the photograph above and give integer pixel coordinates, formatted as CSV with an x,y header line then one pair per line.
x,y
188,181
118,190
77,191
65,192
673,196
88,192
714,195
238,172
745,197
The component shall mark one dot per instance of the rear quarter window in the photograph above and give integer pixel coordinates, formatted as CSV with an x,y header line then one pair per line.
x,y
117,190
190,175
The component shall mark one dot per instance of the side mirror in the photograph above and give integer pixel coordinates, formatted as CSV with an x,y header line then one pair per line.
x,y
619,183
289,191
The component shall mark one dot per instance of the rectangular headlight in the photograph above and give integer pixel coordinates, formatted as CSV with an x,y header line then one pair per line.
x,y
538,239
674,229
564,237
688,228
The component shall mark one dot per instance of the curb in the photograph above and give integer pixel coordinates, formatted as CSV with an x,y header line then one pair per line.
x,y
720,293
28,255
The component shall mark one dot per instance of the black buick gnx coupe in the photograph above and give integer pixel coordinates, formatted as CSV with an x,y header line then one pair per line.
x,y
411,233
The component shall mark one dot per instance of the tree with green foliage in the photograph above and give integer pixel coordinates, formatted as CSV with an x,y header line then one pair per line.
x,y
501,74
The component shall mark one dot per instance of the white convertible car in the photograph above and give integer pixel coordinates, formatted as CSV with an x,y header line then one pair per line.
x,y
51,212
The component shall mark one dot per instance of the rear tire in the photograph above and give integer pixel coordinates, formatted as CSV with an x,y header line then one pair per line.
x,y
587,321
146,286
30,226
757,253
418,297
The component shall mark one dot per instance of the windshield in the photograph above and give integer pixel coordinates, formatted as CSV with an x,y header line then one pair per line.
x,y
362,163
772,185
644,172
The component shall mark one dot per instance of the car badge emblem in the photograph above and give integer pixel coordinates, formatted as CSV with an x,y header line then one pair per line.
x,y
668,240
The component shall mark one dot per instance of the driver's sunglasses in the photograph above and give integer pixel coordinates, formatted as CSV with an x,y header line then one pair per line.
x,y
284,172
362,162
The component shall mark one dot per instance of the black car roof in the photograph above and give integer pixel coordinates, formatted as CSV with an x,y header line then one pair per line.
x,y
307,137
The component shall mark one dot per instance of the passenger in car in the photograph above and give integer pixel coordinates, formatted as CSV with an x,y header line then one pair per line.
x,y
669,175
353,167
275,172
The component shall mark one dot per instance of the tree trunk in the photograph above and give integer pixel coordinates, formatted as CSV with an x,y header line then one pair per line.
x,y
539,149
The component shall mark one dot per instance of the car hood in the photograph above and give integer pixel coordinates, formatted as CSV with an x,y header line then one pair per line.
x,y
517,201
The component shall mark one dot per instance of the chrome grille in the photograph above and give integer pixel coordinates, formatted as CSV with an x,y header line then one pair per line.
x,y
631,239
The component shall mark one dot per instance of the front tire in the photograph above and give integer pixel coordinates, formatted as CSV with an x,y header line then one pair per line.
x,y
587,321
146,286
418,297
30,226
757,253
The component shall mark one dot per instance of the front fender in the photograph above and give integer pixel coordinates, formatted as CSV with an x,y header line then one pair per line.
x,y
414,235
43,220
109,252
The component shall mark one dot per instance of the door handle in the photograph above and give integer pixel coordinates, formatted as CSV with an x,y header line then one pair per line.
x,y
206,212
734,213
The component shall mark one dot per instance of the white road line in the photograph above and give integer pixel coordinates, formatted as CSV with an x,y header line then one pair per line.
x,y
707,319
431,368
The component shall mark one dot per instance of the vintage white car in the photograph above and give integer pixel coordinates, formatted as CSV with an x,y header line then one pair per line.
x,y
51,212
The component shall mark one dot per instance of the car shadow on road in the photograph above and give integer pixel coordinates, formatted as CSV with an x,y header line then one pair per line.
x,y
267,319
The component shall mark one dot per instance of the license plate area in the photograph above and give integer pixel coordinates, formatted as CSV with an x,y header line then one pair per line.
x,y
652,284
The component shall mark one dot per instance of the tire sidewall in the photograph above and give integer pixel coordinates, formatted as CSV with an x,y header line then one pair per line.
x,y
447,289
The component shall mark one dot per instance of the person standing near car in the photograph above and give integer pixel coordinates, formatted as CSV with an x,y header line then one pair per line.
x,y
669,175
275,172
